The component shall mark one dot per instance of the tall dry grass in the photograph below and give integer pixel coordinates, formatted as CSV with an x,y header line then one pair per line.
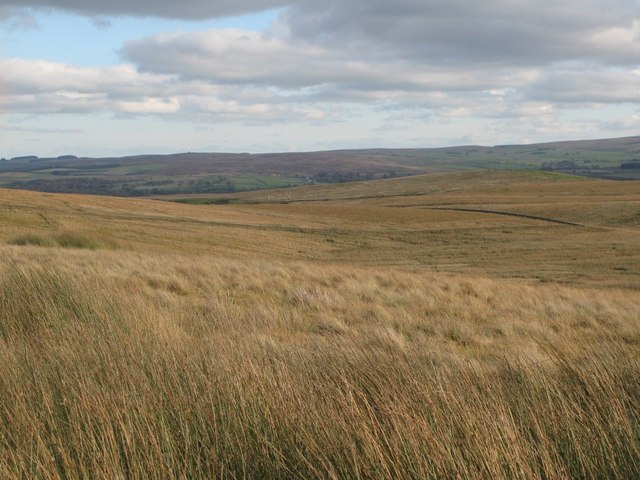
x,y
123,365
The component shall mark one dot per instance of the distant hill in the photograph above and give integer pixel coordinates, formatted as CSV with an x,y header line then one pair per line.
x,y
191,173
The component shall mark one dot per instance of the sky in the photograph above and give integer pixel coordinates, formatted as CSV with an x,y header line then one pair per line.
x,y
96,78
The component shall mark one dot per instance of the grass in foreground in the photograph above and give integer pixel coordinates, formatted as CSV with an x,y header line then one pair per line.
x,y
124,365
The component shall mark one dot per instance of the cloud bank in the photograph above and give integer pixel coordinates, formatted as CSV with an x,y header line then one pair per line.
x,y
512,32
185,9
524,62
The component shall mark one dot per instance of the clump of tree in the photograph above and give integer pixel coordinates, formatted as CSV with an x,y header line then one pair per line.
x,y
632,164
342,177
560,165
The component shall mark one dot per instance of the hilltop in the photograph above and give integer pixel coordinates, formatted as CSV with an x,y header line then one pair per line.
x,y
189,173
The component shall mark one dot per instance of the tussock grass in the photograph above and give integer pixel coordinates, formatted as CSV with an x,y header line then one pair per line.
x,y
126,365
63,239
71,240
33,240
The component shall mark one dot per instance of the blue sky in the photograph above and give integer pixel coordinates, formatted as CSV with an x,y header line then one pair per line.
x,y
89,78
80,40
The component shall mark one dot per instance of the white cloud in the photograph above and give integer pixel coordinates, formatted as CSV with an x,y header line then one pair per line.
x,y
514,65
318,74
237,57
41,76
41,87
35,86
150,105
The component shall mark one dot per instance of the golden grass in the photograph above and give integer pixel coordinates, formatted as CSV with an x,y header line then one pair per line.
x,y
351,339
388,229
124,365
62,239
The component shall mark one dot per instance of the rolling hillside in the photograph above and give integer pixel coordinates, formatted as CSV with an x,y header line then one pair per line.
x,y
461,325
189,173
534,225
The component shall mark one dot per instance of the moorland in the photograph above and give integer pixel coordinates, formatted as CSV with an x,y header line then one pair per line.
x,y
481,324
193,173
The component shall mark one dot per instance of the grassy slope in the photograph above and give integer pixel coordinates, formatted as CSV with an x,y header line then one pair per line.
x,y
378,223
372,337
223,172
